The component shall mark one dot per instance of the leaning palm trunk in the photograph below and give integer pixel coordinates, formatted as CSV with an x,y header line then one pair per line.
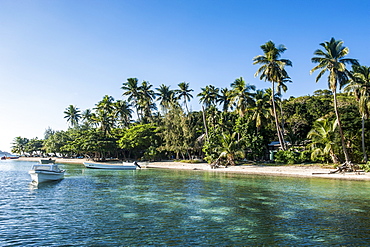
x,y
205,123
363,138
346,156
333,157
280,136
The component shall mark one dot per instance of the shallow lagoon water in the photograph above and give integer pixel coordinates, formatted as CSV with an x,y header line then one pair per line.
x,y
152,207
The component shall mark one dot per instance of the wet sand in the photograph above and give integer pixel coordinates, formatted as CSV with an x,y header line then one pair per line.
x,y
267,170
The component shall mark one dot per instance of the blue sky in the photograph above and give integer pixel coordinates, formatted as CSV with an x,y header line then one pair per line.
x,y
62,52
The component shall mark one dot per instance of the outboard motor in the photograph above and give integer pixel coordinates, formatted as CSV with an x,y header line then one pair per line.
x,y
136,164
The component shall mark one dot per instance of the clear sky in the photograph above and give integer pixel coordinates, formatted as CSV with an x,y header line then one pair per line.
x,y
54,53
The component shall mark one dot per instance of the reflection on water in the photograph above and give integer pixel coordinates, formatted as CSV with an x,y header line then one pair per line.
x,y
166,207
49,184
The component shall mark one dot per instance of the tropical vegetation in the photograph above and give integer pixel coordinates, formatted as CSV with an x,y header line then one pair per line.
x,y
236,123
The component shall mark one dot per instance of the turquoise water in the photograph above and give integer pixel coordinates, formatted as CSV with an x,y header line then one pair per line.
x,y
152,207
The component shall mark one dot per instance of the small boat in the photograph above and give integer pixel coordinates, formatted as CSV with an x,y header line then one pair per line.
x,y
46,161
46,172
122,166
9,157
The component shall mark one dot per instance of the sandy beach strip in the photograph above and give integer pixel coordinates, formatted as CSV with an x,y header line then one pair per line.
x,y
267,170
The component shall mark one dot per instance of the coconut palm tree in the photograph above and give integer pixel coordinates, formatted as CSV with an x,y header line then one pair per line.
x,y
208,96
261,108
322,136
72,113
19,145
87,117
146,99
106,104
225,99
230,149
359,85
123,112
273,70
165,97
331,59
104,114
131,89
241,96
184,93
105,121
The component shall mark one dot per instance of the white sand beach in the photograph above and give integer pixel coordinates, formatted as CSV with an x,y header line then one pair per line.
x,y
267,170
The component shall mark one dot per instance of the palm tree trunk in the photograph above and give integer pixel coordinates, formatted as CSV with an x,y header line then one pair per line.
x,y
363,138
282,124
137,110
186,106
281,140
346,156
334,158
204,122
281,137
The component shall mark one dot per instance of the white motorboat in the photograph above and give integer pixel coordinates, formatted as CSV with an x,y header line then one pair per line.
x,y
46,172
122,166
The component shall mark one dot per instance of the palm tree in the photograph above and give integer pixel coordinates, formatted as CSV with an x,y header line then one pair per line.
x,y
72,113
230,149
208,96
145,99
105,120
165,97
273,70
87,117
106,104
241,95
261,108
19,145
131,89
224,99
123,112
184,93
359,85
322,136
331,59
104,114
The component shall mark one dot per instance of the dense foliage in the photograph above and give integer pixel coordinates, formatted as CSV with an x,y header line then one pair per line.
x,y
236,122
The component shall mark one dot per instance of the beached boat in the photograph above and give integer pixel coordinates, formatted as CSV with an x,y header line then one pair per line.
x,y
46,172
12,157
9,157
46,161
122,166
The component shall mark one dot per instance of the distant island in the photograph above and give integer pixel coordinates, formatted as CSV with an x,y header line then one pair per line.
x,y
5,154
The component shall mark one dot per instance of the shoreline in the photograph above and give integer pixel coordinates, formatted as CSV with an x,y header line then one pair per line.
x,y
288,170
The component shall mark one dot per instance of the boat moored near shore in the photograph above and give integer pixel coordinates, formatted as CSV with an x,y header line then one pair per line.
x,y
46,172
122,166
9,157
46,161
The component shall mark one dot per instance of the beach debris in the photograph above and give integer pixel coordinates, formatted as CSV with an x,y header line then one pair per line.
x,y
345,167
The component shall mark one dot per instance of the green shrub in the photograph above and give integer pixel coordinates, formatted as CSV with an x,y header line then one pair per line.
x,y
365,167
191,161
305,156
287,157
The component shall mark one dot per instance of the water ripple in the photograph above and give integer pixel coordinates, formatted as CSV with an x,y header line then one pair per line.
x,y
184,208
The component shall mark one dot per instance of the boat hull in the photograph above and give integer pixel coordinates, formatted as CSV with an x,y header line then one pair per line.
x,y
44,176
9,157
109,167
46,161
